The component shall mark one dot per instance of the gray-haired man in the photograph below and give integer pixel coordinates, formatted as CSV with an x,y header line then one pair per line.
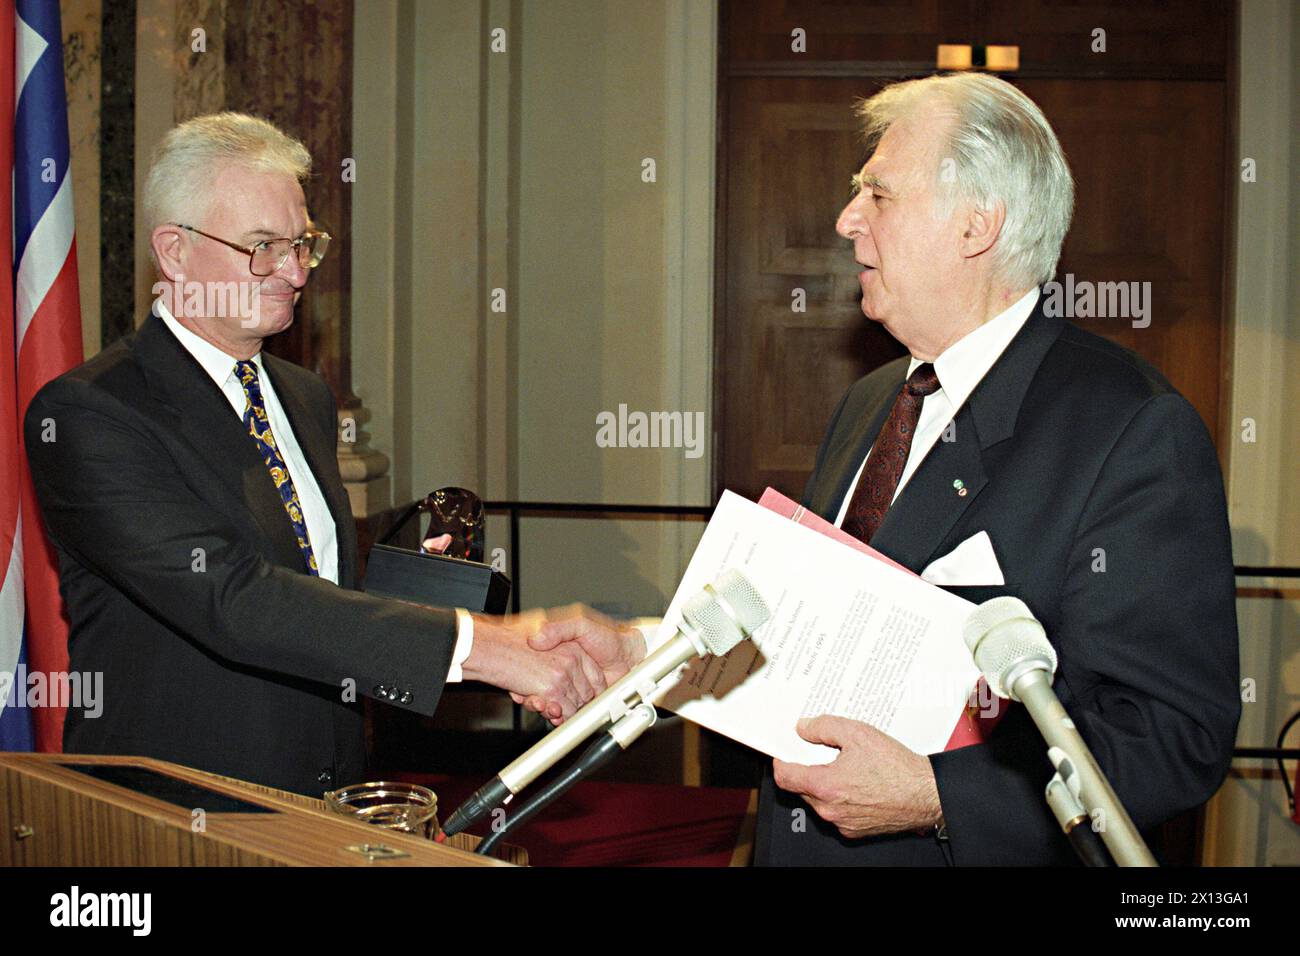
x,y
1059,446
207,552
1094,480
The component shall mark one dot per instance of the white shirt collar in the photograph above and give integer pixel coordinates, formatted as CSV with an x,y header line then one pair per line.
x,y
215,362
963,364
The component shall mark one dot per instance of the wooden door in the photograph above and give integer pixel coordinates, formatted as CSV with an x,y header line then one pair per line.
x,y
794,336
1148,164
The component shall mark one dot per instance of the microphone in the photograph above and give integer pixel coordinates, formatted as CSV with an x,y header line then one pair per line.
x,y
1011,648
1007,642
714,621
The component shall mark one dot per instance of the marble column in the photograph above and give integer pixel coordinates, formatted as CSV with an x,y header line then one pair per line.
x,y
292,64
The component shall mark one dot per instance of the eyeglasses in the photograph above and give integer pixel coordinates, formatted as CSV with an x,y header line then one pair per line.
x,y
266,257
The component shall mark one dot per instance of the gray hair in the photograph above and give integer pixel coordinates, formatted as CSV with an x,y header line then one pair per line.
x,y
1002,150
186,160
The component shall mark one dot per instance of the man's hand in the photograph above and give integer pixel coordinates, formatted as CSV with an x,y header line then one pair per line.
x,y
875,786
556,680
613,645
438,545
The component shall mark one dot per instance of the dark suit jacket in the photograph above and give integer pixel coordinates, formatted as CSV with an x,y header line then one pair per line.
x,y
1074,451
185,585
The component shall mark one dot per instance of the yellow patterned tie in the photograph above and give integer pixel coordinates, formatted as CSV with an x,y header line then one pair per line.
x,y
260,428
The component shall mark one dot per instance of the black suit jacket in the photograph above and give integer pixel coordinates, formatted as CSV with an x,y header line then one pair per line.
x,y
184,583
1077,456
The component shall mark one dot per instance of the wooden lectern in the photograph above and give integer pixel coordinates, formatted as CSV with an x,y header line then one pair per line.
x,y
83,810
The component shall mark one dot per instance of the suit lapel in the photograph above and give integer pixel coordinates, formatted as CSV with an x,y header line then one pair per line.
x,y
321,454
204,418
932,501
953,473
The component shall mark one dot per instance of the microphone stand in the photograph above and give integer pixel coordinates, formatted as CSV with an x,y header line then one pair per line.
x,y
714,621
1073,818
611,705
1067,749
619,737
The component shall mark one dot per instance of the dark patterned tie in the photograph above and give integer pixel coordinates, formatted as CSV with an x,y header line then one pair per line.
x,y
260,428
888,456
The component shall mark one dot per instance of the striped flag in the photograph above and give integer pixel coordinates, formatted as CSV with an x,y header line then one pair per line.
x,y
40,338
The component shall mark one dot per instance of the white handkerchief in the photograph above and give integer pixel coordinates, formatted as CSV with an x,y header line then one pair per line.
x,y
971,564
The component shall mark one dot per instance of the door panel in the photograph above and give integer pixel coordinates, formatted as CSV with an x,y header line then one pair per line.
x,y
792,146
1147,157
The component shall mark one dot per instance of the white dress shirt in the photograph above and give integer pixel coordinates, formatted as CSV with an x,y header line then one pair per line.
x,y
315,511
959,369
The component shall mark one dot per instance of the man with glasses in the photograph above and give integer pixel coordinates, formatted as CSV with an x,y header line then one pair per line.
x,y
207,552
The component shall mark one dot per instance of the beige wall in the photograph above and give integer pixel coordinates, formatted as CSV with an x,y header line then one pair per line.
x,y
418,327
1247,822
522,171
1264,502
606,312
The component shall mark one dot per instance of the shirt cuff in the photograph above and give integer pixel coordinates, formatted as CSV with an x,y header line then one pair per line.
x,y
464,645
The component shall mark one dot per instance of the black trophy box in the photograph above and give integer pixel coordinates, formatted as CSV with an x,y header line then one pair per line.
x,y
436,580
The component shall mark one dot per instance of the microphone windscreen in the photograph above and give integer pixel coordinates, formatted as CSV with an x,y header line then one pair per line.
x,y
726,612
990,614
1002,634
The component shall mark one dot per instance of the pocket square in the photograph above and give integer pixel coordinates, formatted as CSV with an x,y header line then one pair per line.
x,y
971,564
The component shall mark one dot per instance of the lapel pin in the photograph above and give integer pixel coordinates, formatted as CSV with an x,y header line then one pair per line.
x,y
960,486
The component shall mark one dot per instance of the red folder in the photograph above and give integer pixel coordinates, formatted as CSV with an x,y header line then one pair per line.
x,y
972,727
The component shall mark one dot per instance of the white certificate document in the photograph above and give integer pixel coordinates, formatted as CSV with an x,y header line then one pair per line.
x,y
849,635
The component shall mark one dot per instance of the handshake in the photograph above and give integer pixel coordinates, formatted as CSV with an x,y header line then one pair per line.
x,y
552,662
